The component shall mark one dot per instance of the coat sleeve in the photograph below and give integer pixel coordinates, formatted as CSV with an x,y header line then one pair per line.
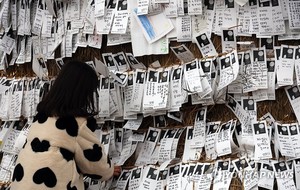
x,y
90,157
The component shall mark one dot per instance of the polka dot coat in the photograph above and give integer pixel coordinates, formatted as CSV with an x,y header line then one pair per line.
x,y
58,153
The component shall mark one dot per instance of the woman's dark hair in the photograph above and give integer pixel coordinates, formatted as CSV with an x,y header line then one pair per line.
x,y
72,93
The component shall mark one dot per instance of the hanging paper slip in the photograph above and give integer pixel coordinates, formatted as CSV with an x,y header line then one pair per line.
x,y
205,45
154,27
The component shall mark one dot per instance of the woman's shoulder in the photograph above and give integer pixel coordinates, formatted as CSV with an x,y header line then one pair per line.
x,y
41,117
89,122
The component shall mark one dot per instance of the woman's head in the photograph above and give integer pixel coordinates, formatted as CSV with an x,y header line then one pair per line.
x,y
72,93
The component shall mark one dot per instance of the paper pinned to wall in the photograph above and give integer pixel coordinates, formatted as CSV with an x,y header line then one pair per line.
x,y
138,40
134,124
154,27
205,45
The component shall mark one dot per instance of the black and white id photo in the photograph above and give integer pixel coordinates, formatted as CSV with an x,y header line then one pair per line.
x,y
152,136
259,128
293,129
132,60
159,121
112,4
249,104
124,176
267,167
240,58
105,139
233,58
232,103
176,74
282,130
136,173
265,4
253,2
202,40
271,65
280,166
163,76
118,136
190,133
163,175
267,42
225,62
104,83
223,165
210,4
170,133
185,7
20,85
297,53
297,161
212,129
122,5
162,135
293,92
108,59
190,66
241,164
238,129
275,3
140,78
200,115
130,80
153,76
174,170
120,59
229,3
226,126
247,59
259,55
41,62
152,173
287,53
205,65
228,35
69,26
111,85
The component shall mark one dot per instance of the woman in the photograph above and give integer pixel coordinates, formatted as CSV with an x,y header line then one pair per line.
x,y
61,146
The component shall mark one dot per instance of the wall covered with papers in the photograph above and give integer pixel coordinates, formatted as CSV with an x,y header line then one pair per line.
x,y
194,94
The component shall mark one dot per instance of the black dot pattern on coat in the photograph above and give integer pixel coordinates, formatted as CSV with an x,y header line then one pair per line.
x,y
40,146
68,155
69,124
93,176
94,154
71,188
46,176
25,143
91,124
18,173
40,117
